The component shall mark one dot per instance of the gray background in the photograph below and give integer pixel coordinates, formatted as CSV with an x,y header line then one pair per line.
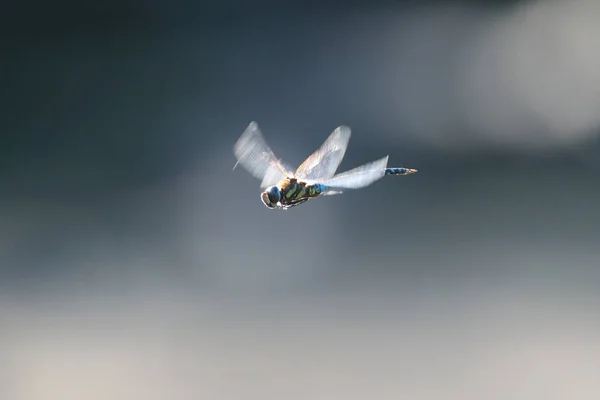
x,y
135,264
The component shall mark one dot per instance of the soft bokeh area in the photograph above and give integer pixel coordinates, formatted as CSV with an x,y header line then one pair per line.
x,y
136,264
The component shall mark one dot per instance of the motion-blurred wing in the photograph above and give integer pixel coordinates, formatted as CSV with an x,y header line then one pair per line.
x,y
255,155
323,163
358,177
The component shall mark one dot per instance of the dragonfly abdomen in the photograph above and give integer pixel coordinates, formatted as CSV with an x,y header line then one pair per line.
x,y
316,189
399,171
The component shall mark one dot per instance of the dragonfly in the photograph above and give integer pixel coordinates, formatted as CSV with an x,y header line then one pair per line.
x,y
315,177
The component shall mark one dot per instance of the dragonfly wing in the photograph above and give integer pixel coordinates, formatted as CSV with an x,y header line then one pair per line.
x,y
323,163
330,192
358,177
254,154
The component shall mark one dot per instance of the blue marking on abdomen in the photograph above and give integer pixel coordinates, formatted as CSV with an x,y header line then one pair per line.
x,y
319,188
396,171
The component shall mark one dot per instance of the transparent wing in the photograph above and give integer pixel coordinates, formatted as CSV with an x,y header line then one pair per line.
x,y
255,155
358,177
323,163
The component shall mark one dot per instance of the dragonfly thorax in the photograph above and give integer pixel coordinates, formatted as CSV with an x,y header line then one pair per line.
x,y
271,197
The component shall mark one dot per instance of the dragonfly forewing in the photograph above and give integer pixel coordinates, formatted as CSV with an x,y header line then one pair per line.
x,y
254,154
324,162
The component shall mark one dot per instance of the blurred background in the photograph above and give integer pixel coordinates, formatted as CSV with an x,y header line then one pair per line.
x,y
135,264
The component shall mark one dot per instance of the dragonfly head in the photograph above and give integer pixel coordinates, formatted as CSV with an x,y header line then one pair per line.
x,y
271,196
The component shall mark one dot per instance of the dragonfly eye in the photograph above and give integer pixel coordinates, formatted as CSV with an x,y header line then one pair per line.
x,y
271,196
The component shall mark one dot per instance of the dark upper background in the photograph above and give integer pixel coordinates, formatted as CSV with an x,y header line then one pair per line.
x,y
115,161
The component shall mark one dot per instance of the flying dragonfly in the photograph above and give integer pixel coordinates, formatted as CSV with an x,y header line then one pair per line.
x,y
315,177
